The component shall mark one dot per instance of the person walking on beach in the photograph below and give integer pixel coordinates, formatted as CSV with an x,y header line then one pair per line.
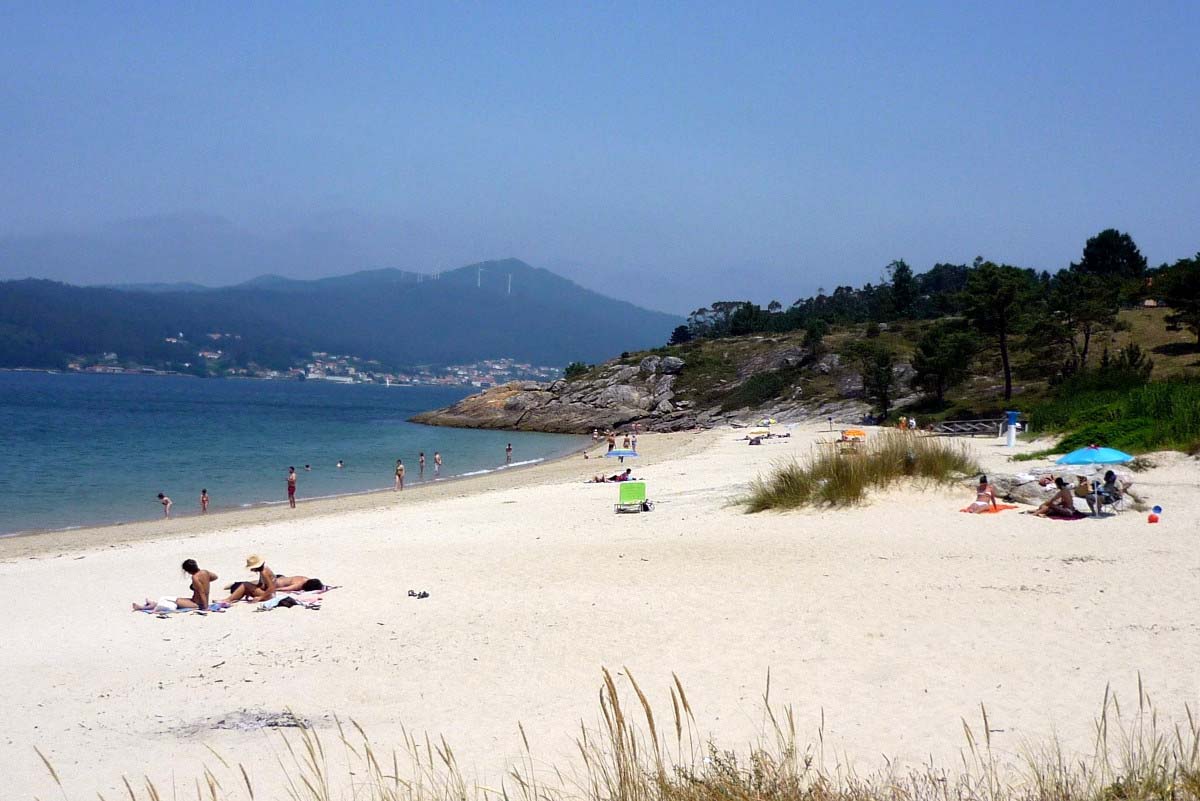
x,y
399,476
508,454
437,463
634,440
292,487
625,443
166,504
203,501
612,441
421,466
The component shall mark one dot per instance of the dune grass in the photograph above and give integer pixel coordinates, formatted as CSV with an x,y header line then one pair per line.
x,y
830,478
629,757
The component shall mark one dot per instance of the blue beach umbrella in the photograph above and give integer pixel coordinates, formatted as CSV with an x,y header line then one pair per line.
x,y
1094,454
622,453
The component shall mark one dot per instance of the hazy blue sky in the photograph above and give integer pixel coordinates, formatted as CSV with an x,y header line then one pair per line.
x,y
672,154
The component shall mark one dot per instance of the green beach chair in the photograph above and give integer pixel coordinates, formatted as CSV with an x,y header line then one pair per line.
x,y
632,494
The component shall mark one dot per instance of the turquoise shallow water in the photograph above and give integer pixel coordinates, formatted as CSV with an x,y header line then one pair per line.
x,y
92,449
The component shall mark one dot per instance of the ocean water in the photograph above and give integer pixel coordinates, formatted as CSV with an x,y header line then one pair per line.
x,y
79,449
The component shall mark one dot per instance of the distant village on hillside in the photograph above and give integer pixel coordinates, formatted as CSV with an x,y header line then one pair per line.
x,y
214,361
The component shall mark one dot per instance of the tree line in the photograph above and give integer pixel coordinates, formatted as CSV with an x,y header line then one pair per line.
x,y
984,304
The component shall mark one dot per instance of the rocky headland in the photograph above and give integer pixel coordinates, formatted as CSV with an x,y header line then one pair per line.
x,y
670,393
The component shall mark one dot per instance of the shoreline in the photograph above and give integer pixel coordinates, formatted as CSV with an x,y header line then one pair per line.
x,y
253,505
33,543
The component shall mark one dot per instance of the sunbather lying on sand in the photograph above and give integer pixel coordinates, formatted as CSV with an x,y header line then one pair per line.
x,y
201,585
298,584
626,476
262,590
1061,504
985,497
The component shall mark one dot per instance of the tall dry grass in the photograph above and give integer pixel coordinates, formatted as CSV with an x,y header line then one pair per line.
x,y
830,478
631,756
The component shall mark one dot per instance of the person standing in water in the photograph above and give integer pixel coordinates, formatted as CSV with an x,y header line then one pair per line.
x,y
421,466
508,454
203,501
437,463
166,504
292,487
399,476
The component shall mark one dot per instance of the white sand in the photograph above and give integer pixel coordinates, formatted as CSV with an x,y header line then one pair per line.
x,y
897,620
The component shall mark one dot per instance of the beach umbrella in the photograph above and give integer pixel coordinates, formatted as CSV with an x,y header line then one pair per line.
x,y
1094,454
622,453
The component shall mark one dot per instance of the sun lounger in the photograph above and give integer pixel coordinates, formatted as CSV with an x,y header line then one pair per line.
x,y
631,497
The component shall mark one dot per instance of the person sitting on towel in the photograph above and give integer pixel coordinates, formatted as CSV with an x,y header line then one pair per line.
x,y
262,590
985,497
201,586
1061,504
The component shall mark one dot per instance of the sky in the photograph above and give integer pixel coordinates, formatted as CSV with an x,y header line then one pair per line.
x,y
669,154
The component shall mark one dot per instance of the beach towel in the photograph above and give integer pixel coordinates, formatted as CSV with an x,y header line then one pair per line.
x,y
163,610
309,600
991,510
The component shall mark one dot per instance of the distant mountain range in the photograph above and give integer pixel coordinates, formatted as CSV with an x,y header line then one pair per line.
x,y
488,310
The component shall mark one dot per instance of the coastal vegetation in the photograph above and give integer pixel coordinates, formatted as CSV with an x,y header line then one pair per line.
x,y
1027,328
1148,417
633,755
830,478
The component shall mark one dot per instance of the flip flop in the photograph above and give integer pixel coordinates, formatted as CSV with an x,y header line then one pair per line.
x,y
412,593
422,594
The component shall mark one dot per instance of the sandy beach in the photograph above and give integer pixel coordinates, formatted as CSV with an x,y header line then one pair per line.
x,y
895,620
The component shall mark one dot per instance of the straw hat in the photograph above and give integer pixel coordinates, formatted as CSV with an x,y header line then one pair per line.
x,y
254,562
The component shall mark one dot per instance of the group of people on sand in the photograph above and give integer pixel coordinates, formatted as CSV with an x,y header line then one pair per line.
x,y
263,587
628,441
1062,502
437,468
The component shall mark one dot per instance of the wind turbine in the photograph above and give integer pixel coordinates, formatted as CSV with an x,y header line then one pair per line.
x,y
478,277
510,283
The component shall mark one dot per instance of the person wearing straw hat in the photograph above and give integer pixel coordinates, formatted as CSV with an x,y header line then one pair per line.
x,y
254,591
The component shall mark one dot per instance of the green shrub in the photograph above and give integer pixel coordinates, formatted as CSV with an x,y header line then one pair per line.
x,y
761,388
831,478
575,370
1163,415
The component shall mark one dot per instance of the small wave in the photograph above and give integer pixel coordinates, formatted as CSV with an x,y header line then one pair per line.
x,y
518,464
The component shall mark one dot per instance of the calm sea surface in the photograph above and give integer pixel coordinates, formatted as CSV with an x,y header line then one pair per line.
x,y
91,449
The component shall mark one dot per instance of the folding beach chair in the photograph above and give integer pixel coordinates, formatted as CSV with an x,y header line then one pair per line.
x,y
631,497
1114,503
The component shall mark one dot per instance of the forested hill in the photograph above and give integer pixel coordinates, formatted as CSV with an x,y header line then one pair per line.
x,y
489,310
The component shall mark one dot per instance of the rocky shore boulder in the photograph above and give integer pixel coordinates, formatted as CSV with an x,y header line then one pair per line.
x,y
618,395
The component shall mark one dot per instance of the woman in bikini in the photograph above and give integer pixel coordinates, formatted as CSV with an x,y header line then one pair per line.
x,y
262,590
201,587
985,497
